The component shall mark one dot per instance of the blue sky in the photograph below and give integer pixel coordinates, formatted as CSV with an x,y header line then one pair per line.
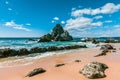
x,y
82,18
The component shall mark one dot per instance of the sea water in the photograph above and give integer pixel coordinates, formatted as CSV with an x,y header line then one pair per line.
x,y
18,43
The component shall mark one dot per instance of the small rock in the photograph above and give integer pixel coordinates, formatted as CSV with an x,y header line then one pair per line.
x,y
77,60
94,70
113,51
58,65
35,72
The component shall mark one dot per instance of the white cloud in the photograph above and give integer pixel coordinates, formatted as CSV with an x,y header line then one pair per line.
x,y
6,2
10,9
108,8
113,31
81,23
62,22
108,21
106,31
28,24
16,26
98,17
56,18
52,21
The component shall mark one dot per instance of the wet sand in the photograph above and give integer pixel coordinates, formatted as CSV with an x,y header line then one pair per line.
x,y
69,71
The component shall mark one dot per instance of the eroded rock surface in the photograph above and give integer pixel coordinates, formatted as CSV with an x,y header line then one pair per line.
x,y
94,70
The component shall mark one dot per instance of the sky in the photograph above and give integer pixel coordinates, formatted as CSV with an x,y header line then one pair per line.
x,y
81,18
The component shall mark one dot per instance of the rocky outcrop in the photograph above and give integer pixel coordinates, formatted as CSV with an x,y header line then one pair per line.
x,y
90,40
110,40
103,53
94,70
107,46
7,52
58,34
35,72
105,49
11,52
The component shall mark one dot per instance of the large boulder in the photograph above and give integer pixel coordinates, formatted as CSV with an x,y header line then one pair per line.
x,y
94,70
58,34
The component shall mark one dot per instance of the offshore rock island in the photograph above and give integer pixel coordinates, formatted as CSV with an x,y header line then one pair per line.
x,y
58,34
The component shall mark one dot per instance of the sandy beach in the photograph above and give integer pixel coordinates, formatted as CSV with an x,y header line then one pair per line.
x,y
69,71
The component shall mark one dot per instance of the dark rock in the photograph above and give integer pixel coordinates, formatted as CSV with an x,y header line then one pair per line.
x,y
109,40
57,30
23,51
7,52
94,70
103,53
75,47
37,50
31,39
58,34
52,48
58,65
91,40
107,46
46,38
113,51
77,60
35,72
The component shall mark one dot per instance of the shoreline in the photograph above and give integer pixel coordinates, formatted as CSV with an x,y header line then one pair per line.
x,y
23,60
70,71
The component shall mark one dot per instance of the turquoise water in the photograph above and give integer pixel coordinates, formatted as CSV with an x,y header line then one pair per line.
x,y
17,43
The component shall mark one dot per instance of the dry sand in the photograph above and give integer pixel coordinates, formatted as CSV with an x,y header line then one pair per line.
x,y
70,71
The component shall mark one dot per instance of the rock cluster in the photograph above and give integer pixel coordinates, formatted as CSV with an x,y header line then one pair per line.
x,y
112,41
94,70
105,49
11,52
91,40
58,34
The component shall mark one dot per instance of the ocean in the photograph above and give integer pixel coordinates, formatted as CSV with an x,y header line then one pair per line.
x,y
18,43
28,43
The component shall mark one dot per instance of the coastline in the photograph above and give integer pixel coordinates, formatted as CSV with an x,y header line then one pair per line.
x,y
70,71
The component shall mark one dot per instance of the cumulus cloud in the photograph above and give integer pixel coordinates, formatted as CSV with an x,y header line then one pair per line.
x,y
62,22
16,26
86,22
56,18
80,23
98,17
108,8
